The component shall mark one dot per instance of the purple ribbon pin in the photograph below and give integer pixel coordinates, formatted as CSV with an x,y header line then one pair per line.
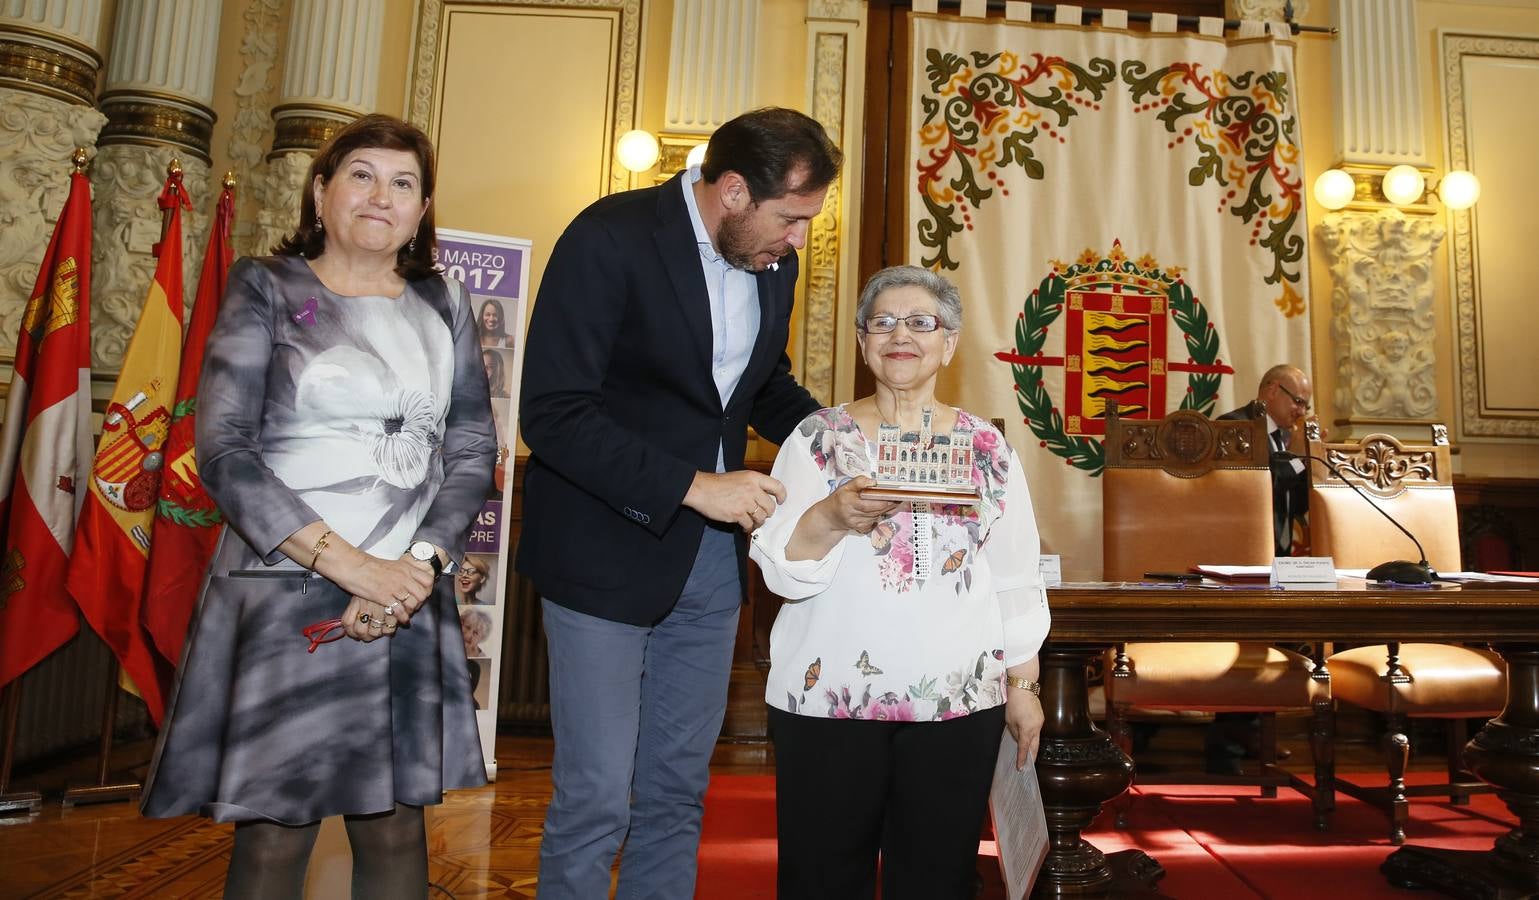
x,y
306,315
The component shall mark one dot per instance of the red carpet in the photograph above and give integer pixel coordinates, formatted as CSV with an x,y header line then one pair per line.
x,y
1216,843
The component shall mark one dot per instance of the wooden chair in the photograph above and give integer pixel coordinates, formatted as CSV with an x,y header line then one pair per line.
x,y
1187,490
1401,681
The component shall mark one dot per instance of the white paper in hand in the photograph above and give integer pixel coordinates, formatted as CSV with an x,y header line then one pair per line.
x,y
1020,826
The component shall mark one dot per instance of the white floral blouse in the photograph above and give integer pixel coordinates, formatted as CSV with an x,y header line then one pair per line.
x,y
918,620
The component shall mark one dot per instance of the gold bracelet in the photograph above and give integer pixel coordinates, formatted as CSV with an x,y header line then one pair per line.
x,y
319,546
1025,684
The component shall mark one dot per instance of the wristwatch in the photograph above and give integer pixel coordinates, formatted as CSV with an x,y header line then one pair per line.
x,y
1025,684
426,552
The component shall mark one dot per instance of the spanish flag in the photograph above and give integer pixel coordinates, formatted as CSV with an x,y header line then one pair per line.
x,y
187,523
112,541
45,450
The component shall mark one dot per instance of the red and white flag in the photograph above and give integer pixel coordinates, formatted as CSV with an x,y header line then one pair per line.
x,y
112,538
45,450
187,523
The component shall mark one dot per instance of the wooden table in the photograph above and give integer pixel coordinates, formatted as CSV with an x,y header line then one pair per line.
x,y
1080,768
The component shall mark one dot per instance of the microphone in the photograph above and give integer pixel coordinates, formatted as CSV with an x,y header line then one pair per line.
x,y
1399,571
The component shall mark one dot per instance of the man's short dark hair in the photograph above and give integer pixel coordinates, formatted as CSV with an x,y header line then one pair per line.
x,y
766,146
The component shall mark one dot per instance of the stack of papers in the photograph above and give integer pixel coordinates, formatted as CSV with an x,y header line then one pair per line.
x,y
1235,573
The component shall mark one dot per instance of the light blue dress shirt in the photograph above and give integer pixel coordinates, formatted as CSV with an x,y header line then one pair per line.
x,y
734,297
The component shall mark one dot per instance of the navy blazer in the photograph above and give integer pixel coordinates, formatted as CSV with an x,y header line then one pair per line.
x,y
620,410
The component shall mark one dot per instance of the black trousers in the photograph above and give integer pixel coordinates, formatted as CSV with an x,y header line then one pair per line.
x,y
915,793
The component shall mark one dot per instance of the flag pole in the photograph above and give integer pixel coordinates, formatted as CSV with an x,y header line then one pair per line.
x,y
24,802
103,791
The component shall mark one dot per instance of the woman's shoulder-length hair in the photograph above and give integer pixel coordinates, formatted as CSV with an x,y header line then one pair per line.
x,y
416,259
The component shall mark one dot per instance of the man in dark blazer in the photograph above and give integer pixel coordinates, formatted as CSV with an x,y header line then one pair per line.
x,y
1283,399
658,337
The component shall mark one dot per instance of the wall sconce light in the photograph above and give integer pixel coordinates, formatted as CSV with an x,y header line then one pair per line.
x,y
638,150
1402,185
1334,189
1459,189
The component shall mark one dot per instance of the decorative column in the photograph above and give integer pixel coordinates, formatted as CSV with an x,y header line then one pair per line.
x,y
158,100
1381,256
710,74
49,61
834,42
331,70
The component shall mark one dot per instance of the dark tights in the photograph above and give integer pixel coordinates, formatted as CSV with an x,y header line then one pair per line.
x,y
389,857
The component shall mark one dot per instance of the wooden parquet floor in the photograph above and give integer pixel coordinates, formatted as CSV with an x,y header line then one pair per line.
x,y
482,843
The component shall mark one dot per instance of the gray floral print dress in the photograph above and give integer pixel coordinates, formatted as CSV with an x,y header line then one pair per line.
x,y
372,414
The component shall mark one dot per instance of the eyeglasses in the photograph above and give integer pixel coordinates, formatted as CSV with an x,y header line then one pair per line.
x,y
323,633
921,323
1298,401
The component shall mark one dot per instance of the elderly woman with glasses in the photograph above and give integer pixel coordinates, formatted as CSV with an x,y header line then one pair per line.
x,y
909,636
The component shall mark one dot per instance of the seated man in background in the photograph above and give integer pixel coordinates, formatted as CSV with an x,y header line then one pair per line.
x,y
1283,398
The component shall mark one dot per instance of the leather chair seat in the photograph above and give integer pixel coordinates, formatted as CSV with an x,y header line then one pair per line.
x,y
1216,677
1446,681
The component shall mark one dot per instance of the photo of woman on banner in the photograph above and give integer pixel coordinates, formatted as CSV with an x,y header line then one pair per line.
x,y
470,581
496,372
492,323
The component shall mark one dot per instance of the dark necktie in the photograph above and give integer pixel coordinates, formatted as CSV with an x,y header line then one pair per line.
x,y
1285,525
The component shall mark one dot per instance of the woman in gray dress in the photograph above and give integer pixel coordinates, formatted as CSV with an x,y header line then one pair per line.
x,y
345,430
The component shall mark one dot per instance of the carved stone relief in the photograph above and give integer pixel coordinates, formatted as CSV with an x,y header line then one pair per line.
x,y
276,199
1381,313
252,128
37,135
1267,10
126,179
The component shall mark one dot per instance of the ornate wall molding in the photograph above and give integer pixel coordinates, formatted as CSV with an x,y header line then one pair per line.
x,y
37,134
252,129
1382,319
1476,417
126,223
820,308
427,65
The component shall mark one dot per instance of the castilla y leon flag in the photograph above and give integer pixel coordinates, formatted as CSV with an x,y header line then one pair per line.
x,y
46,448
112,541
187,522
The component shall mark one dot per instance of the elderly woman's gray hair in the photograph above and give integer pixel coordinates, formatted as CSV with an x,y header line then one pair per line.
x,y
948,300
